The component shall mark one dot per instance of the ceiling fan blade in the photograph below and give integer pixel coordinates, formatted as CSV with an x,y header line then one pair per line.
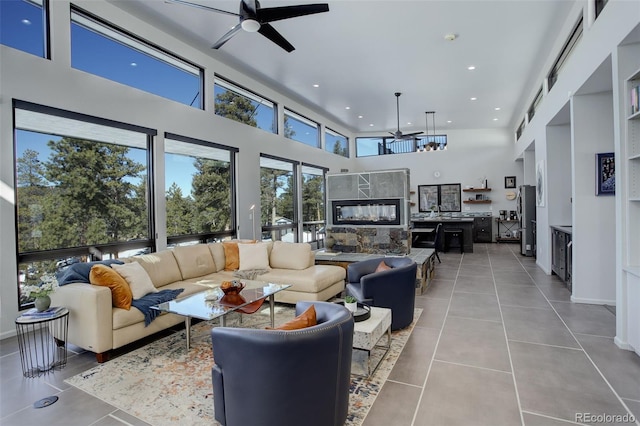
x,y
269,32
227,36
271,14
410,135
249,6
201,6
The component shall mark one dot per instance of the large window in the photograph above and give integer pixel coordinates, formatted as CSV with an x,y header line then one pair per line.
x,y
244,106
568,47
111,53
388,145
82,190
23,26
368,146
313,204
277,199
198,190
534,106
301,129
336,143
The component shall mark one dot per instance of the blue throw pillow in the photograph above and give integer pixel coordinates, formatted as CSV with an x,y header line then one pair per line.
x,y
79,272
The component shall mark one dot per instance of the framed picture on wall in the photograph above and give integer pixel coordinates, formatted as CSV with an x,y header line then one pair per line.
x,y
605,174
510,182
428,198
450,198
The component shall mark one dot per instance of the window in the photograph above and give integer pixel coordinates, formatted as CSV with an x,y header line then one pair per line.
x,y
520,129
244,106
23,26
600,4
369,146
313,204
111,53
571,43
336,143
534,105
199,190
301,129
277,199
82,190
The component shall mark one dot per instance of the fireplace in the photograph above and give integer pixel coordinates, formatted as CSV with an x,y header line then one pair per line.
x,y
366,212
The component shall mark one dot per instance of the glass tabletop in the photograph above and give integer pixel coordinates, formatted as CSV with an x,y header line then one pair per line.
x,y
211,304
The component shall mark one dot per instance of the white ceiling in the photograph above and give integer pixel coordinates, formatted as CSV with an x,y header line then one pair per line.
x,y
362,51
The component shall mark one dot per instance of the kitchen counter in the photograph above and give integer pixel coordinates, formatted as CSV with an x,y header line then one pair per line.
x,y
443,219
464,223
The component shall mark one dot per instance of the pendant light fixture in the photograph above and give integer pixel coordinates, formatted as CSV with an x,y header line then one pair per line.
x,y
429,146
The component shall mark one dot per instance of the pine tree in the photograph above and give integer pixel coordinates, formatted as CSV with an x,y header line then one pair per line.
x,y
211,191
179,212
236,107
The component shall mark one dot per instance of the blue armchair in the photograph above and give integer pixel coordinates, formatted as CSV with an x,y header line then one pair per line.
x,y
394,288
285,378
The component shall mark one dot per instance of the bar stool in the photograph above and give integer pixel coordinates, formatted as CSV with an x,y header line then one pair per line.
x,y
454,235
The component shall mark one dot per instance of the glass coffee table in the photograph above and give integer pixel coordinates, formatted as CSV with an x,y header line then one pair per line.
x,y
211,304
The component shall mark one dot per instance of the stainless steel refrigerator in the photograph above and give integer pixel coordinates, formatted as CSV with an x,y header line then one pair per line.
x,y
526,210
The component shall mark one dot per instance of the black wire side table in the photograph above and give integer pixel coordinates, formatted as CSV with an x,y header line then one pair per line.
x,y
43,343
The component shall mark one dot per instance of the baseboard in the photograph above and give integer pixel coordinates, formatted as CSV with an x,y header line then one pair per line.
x,y
7,334
593,301
624,345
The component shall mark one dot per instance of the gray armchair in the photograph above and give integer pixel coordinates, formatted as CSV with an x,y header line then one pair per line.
x,y
394,289
285,378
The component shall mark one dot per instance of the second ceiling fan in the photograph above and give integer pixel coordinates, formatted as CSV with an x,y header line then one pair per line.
x,y
398,135
253,19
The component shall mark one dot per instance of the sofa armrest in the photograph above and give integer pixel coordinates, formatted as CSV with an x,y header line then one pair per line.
x,y
90,315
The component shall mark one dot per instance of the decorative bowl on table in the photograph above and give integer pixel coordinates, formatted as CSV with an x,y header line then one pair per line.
x,y
231,287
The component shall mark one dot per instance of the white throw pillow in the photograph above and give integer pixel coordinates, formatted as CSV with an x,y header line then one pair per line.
x,y
253,256
137,278
290,255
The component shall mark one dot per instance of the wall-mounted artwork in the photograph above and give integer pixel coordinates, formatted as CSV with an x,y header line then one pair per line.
x,y
540,190
605,174
446,196
510,182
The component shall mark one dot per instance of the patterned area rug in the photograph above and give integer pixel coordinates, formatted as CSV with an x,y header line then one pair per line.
x,y
164,384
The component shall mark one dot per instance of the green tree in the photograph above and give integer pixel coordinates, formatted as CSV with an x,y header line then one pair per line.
x,y
288,129
312,197
95,200
31,190
211,194
236,107
338,149
179,212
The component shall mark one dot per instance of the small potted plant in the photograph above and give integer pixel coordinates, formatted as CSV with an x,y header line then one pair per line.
x,y
40,293
351,303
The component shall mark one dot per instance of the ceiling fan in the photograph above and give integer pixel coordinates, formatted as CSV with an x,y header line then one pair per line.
x,y
254,18
398,134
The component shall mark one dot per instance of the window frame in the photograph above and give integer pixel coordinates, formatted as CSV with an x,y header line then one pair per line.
x,y
565,52
319,241
46,28
118,34
205,237
92,251
336,134
295,224
304,120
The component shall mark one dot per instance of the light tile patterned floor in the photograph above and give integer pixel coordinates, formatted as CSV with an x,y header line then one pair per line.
x,y
498,343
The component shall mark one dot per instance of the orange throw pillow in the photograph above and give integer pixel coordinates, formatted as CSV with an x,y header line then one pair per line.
x,y
231,256
104,276
304,320
382,267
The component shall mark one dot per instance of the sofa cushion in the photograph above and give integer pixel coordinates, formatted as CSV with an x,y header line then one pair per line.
x,y
310,280
217,251
79,272
382,267
304,320
194,261
290,255
161,266
105,276
137,278
253,256
231,255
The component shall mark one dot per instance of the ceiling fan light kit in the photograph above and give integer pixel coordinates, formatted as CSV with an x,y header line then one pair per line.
x,y
253,19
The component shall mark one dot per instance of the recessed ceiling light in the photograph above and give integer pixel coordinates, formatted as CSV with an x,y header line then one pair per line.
x,y
497,108
348,107
474,98
448,121
360,116
26,22
471,67
495,119
409,123
316,85
371,125
133,64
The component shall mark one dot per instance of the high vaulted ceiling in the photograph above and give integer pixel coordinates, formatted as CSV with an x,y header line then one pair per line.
x,y
362,51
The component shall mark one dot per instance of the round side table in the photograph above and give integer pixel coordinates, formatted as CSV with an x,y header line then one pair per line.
x,y
43,342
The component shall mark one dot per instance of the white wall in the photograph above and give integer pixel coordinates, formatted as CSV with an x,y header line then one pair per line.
x,y
559,174
594,219
470,156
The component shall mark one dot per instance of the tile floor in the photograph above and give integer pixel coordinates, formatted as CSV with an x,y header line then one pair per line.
x,y
498,343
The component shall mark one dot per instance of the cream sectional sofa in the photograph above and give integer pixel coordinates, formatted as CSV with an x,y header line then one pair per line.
x,y
97,326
